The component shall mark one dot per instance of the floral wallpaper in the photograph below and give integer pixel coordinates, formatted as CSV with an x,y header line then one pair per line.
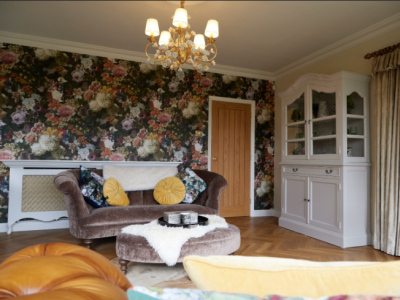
x,y
58,105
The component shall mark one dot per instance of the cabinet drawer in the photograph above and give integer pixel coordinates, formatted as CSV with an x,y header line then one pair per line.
x,y
306,170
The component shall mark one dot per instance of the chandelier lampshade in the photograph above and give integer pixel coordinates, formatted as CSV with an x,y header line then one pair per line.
x,y
212,30
175,47
152,28
180,18
199,41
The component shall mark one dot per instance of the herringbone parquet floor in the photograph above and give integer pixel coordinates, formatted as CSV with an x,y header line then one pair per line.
x,y
260,237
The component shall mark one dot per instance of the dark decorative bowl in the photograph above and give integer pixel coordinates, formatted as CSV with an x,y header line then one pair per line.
x,y
202,221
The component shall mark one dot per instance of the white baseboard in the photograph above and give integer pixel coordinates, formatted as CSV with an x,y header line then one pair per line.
x,y
265,213
35,225
3,227
334,238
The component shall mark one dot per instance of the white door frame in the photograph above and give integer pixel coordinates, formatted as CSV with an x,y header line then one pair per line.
x,y
253,213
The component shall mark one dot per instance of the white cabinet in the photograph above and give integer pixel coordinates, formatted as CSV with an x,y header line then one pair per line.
x,y
325,189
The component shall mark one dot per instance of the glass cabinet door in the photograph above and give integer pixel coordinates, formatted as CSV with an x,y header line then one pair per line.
x,y
355,129
295,128
323,125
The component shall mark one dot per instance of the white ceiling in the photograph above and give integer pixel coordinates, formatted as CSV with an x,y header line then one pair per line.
x,y
258,35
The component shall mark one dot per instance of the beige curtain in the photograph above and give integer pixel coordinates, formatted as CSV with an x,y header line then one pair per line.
x,y
386,153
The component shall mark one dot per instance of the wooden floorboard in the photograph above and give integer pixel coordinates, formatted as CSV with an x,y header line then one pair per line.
x,y
260,237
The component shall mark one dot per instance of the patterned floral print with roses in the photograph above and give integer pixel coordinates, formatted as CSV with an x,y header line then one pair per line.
x,y
57,105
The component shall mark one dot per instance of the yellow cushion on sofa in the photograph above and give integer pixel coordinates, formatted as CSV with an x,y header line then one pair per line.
x,y
290,277
116,195
170,190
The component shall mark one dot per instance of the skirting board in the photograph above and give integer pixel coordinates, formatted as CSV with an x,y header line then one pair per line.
x,y
330,237
266,213
3,227
35,225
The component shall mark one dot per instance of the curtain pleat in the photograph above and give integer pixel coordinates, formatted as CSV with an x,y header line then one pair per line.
x,y
386,172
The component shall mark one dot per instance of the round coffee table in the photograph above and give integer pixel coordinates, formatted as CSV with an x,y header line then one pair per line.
x,y
221,241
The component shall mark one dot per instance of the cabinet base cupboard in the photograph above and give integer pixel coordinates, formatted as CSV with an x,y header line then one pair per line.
x,y
325,158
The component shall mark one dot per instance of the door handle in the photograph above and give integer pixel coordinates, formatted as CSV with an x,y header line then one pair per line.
x,y
294,169
214,158
328,171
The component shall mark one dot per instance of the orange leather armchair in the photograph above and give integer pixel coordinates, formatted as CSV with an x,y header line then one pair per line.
x,y
61,271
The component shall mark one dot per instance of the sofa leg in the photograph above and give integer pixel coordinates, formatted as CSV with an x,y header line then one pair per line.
x,y
88,243
233,253
124,265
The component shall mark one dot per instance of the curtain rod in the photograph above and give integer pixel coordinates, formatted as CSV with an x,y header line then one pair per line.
x,y
382,51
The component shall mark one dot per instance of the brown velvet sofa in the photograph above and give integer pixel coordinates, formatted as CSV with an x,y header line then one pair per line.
x,y
88,223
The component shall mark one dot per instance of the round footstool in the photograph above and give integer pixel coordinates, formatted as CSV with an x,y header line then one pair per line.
x,y
221,241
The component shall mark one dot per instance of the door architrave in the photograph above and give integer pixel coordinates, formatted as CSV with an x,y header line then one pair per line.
x,y
252,140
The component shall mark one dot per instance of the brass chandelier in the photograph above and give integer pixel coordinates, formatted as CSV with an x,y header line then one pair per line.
x,y
178,49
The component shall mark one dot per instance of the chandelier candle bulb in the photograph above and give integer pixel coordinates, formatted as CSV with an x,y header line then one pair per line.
x,y
152,28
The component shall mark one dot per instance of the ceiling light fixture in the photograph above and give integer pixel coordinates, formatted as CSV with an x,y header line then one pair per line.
x,y
176,50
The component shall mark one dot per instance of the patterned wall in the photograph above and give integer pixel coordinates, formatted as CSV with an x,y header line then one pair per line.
x,y
70,106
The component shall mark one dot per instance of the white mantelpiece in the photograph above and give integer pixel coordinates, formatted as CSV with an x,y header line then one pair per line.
x,y
50,219
72,164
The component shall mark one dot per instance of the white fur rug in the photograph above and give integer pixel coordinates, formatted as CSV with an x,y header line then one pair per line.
x,y
168,241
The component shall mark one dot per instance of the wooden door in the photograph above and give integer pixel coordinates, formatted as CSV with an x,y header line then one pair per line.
x,y
230,156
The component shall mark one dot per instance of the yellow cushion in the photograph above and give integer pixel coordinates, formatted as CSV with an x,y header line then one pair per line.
x,y
170,190
116,195
290,277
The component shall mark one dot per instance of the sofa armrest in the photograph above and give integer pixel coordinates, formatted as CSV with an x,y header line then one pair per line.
x,y
67,183
216,183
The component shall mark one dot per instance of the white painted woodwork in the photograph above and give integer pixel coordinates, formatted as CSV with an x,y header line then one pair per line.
x,y
324,203
294,200
49,219
336,187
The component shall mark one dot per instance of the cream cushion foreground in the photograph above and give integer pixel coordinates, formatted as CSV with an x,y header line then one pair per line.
x,y
261,276
138,178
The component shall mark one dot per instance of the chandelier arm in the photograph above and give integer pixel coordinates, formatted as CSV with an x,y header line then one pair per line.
x,y
215,55
145,51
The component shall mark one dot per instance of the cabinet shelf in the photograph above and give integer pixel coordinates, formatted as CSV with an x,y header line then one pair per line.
x,y
352,136
295,123
324,137
355,116
323,118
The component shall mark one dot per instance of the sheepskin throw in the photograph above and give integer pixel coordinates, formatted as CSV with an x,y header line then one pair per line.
x,y
138,178
159,236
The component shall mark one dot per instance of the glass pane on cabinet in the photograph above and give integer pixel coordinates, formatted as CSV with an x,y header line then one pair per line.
x,y
324,146
355,147
295,132
323,104
295,111
355,126
355,104
295,148
324,127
